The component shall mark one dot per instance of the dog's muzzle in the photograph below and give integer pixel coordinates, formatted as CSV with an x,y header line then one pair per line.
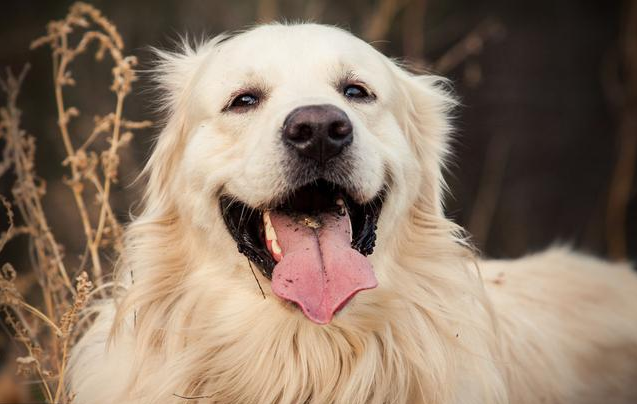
x,y
312,239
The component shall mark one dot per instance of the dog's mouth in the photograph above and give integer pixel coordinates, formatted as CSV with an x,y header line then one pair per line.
x,y
313,245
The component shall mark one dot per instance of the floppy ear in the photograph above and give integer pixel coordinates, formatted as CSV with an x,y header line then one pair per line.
x,y
174,73
425,118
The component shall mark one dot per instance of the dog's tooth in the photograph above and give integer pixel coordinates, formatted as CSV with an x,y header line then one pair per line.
x,y
343,212
341,205
276,248
270,237
270,234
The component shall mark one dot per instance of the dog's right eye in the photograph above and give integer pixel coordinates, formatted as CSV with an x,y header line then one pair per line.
x,y
243,102
357,92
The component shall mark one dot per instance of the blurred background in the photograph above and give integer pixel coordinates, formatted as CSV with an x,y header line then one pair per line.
x,y
546,137
545,142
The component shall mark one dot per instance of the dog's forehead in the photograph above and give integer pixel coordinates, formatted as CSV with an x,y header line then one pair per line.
x,y
302,46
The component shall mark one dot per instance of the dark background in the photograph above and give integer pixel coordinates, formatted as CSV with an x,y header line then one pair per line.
x,y
539,133
546,134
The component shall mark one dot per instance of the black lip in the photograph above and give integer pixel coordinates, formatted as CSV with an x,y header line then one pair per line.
x,y
245,224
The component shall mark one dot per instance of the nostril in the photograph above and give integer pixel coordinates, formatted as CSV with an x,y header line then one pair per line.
x,y
298,132
304,133
340,129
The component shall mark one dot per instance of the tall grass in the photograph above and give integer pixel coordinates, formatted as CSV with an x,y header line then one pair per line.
x,y
46,330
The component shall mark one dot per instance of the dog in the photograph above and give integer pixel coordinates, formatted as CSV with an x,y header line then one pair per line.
x,y
293,249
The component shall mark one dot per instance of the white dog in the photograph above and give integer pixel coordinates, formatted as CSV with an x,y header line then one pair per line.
x,y
293,249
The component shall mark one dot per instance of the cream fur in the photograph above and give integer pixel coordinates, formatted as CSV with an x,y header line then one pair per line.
x,y
442,327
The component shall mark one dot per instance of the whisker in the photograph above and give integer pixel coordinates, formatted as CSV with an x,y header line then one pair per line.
x,y
256,279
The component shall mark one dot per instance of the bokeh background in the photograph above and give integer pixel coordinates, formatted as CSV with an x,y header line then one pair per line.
x,y
547,89
546,137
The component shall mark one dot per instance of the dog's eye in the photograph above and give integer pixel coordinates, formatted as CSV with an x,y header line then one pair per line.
x,y
243,101
355,91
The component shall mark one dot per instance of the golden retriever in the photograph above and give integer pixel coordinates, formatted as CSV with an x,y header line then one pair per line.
x,y
293,249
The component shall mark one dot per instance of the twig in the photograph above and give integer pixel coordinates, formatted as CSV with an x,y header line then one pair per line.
x,y
110,173
314,10
68,321
28,345
256,279
267,10
8,234
489,188
624,172
471,44
29,200
42,317
381,19
413,32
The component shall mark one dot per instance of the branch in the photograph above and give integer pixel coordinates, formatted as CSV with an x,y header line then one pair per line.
x,y
489,188
471,44
622,180
381,19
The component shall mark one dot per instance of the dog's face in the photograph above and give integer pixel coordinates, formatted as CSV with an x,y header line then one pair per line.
x,y
293,141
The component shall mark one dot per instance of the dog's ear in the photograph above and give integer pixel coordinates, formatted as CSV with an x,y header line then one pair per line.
x,y
425,116
174,73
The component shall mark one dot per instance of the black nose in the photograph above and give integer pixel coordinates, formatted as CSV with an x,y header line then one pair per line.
x,y
319,132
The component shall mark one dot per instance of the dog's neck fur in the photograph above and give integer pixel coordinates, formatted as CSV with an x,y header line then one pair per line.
x,y
203,328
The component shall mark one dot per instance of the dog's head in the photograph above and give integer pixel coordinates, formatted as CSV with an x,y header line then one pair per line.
x,y
302,148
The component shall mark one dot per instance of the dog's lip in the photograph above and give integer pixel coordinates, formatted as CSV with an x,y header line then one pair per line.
x,y
245,223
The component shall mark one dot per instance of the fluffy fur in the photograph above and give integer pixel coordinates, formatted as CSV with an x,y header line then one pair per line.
x,y
442,327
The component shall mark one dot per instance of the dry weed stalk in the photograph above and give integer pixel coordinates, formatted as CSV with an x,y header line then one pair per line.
x,y
48,329
385,12
624,172
472,44
381,19
84,163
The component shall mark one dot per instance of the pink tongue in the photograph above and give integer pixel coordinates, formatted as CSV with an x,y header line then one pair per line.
x,y
319,270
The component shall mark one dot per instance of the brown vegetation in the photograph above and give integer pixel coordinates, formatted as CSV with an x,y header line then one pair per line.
x,y
46,333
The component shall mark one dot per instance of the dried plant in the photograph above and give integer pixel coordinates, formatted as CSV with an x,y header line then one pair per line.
x,y
84,163
48,332
622,181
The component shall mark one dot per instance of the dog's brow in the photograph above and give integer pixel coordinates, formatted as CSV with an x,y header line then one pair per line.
x,y
252,81
347,75
343,72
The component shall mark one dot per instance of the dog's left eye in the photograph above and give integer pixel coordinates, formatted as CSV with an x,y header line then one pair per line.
x,y
244,101
356,91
